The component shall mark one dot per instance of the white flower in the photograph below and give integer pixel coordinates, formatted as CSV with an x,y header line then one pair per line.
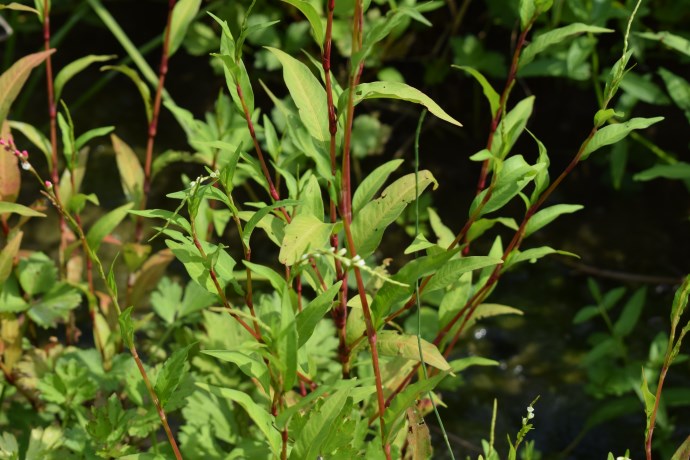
x,y
622,458
331,249
342,252
360,263
26,165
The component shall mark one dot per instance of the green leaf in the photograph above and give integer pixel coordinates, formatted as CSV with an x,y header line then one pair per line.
x,y
390,294
182,16
43,442
390,343
260,214
450,271
131,172
630,314
643,89
310,315
528,11
169,217
250,364
84,138
489,92
19,7
199,267
372,183
14,208
555,36
8,254
683,450
143,88
673,41
313,17
459,365
277,281
547,215
679,170
263,420
311,199
37,274
489,310
513,176
533,254
649,400
510,128
420,243
407,398
171,374
286,342
679,90
55,304
602,116
127,327
12,80
73,68
305,233
105,225
613,133
395,90
308,94
320,425
370,223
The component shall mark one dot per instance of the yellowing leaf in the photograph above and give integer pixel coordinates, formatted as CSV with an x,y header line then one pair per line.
x,y
391,343
303,234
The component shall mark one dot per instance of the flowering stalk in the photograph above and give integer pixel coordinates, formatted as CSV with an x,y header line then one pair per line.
x,y
51,193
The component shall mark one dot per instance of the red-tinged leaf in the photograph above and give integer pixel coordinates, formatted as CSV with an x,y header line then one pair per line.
x,y
13,79
10,176
131,172
149,275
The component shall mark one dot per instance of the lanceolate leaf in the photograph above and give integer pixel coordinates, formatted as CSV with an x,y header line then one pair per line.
x,y
249,363
395,90
676,42
489,92
308,318
451,271
312,16
127,327
368,226
7,256
613,133
534,254
391,343
372,183
406,399
678,170
546,216
15,208
131,172
12,80
182,16
35,137
263,420
511,126
555,36
308,94
171,374
303,234
105,225
679,90
319,426
73,68
260,214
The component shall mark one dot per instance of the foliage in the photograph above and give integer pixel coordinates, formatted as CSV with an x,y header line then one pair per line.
x,y
258,304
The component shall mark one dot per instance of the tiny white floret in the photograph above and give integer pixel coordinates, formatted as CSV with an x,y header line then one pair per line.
x,y
342,251
26,165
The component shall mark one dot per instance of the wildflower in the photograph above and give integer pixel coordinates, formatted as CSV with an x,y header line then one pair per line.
x,y
530,412
360,263
214,174
342,251
303,258
26,165
48,184
356,258
331,249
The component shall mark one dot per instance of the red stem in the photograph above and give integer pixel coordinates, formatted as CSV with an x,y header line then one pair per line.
x,y
153,125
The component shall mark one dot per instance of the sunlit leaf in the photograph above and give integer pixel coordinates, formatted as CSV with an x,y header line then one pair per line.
x,y
182,16
106,224
312,16
131,172
489,92
395,90
391,343
308,94
370,223
555,36
305,233
613,133
547,215
371,184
